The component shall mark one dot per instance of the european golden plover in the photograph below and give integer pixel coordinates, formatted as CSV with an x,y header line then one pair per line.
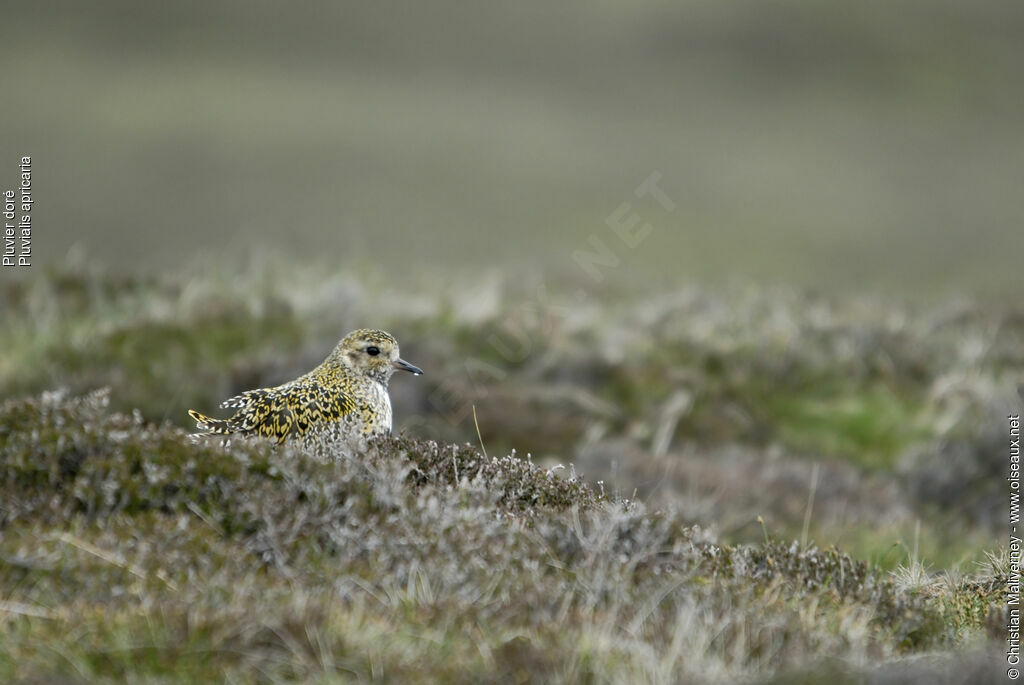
x,y
344,398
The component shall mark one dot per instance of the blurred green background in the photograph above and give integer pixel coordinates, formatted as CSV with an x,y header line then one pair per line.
x,y
873,146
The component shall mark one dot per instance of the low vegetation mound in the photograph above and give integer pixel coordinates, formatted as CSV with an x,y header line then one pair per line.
x,y
129,551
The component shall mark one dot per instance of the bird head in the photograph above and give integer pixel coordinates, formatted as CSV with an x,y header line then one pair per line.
x,y
373,354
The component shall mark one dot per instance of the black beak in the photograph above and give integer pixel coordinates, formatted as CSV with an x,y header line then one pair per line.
x,y
406,366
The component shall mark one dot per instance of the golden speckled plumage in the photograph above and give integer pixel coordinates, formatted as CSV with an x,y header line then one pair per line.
x,y
345,397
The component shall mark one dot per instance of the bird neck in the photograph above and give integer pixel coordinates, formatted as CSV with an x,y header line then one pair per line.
x,y
381,376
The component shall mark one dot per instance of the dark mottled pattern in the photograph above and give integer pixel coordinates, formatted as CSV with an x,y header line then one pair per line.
x,y
344,396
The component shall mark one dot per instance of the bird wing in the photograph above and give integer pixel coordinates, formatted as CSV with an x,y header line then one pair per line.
x,y
287,410
265,412
317,404
248,398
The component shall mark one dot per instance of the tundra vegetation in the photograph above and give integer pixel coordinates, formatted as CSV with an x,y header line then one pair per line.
x,y
681,486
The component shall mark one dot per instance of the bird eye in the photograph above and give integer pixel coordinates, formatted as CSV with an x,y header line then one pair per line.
x,y
372,350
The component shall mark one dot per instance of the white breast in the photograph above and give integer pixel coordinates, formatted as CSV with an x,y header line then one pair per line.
x,y
380,414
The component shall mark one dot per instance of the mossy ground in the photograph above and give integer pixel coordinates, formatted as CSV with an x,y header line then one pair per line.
x,y
129,552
